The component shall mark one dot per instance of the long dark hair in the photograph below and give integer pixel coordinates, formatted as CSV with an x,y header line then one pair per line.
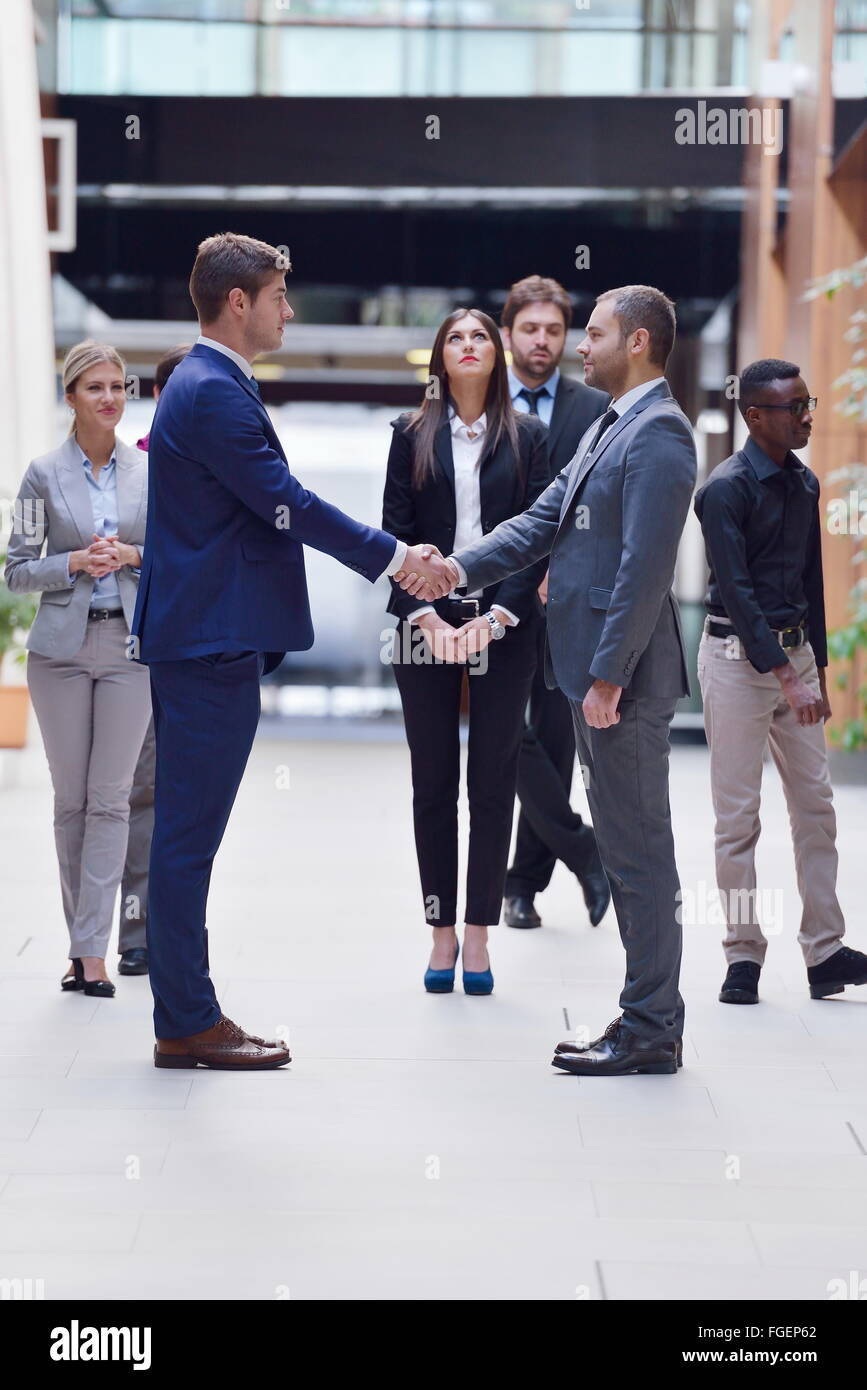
x,y
501,418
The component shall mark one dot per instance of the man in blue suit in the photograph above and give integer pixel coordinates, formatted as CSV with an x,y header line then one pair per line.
x,y
222,598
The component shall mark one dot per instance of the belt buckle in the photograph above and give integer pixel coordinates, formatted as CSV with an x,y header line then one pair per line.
x,y
474,602
783,633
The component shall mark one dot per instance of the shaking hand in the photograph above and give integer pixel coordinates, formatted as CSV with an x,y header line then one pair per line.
x,y
425,574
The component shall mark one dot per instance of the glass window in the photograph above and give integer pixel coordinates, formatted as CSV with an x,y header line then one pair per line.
x,y
411,47
496,64
163,58
339,61
600,64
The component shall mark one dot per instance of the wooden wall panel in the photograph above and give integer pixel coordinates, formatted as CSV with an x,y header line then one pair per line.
x,y
825,228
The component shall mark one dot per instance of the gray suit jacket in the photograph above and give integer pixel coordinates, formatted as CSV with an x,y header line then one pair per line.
x,y
612,527
57,481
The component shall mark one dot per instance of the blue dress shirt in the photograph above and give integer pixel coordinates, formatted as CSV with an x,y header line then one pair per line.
x,y
103,501
545,403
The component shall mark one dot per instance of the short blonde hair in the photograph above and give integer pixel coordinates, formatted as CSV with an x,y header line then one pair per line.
x,y
80,358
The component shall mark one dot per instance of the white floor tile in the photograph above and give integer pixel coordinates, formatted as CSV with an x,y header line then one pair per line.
x,y
419,1147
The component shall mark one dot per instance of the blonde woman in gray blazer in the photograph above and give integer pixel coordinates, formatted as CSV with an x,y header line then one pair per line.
x,y
77,540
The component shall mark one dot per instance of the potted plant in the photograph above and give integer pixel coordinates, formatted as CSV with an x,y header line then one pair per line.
x,y
17,612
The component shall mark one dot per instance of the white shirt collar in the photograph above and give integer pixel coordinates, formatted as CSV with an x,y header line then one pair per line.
x,y
456,424
235,357
630,397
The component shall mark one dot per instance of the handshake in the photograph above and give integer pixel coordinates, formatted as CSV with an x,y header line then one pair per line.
x,y
428,576
425,574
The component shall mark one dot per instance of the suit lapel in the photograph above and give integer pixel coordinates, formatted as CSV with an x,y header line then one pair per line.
x,y
131,473
74,487
564,403
443,454
247,385
227,365
588,463
493,479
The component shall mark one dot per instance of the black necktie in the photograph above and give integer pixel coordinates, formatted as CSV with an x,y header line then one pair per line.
x,y
532,398
607,419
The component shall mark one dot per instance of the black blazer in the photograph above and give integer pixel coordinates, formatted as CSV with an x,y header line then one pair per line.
x,y
576,406
428,513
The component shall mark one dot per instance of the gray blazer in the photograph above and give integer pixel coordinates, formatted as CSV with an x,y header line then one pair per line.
x,y
612,526
57,481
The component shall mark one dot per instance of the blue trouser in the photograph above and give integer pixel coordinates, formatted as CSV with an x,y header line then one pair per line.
x,y
206,710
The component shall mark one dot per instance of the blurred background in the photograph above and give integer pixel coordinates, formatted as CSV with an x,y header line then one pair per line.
x,y
414,155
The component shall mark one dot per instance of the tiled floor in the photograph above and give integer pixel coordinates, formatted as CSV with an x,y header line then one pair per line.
x,y
420,1147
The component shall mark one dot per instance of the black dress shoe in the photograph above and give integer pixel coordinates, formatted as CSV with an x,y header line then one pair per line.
x,y
569,1048
845,967
520,912
76,979
99,989
620,1056
594,884
741,984
133,962
597,894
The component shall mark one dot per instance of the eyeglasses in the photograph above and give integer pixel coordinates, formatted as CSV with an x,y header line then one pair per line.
x,y
795,408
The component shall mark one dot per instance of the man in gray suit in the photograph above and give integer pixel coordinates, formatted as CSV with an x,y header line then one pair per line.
x,y
611,522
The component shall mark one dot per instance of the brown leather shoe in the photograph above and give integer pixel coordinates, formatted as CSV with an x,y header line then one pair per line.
x,y
225,1047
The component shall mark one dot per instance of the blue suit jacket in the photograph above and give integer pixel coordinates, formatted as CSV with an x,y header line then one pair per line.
x,y
223,565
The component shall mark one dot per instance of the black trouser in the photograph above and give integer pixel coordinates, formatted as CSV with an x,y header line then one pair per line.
x,y
548,828
430,693
628,794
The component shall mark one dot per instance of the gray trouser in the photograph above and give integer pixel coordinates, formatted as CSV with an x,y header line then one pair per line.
x,y
134,884
627,789
745,712
93,709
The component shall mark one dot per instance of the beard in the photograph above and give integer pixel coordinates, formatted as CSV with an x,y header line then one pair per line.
x,y
539,368
609,376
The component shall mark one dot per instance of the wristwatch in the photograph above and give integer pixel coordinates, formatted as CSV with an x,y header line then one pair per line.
x,y
497,629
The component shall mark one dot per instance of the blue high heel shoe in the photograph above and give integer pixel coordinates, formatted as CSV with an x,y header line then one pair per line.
x,y
479,981
441,981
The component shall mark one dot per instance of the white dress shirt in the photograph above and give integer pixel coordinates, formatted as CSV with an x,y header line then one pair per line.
x,y
621,405
468,442
239,361
400,549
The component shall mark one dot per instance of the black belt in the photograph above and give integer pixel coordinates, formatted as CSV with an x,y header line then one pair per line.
x,y
458,610
100,615
786,636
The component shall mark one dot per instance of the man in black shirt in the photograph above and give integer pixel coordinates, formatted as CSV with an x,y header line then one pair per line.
x,y
761,667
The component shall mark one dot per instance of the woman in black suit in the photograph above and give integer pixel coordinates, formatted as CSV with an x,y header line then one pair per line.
x,y
459,465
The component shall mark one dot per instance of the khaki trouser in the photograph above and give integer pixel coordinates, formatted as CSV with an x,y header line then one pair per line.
x,y
745,711
93,709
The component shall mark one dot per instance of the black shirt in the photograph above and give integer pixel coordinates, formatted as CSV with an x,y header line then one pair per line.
x,y
763,540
